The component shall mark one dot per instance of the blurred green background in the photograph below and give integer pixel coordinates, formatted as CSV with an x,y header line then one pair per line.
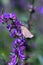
x,y
36,55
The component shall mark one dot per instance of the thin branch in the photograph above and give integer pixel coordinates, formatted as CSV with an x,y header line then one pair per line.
x,y
31,12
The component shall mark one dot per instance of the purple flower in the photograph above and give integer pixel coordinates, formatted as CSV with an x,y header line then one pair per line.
x,y
19,32
21,52
13,60
16,42
12,55
14,50
18,24
10,63
6,15
9,27
13,33
13,16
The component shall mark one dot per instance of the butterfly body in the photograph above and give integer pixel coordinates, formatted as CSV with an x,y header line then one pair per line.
x,y
26,32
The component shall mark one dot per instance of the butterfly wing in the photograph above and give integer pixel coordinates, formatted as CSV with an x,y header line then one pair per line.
x,y
26,32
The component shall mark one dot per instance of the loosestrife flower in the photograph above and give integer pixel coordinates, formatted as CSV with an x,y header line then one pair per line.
x,y
18,47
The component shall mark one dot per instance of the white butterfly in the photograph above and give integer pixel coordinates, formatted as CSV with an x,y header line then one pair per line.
x,y
26,32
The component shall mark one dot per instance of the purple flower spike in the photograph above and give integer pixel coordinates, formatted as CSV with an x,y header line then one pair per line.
x,y
14,27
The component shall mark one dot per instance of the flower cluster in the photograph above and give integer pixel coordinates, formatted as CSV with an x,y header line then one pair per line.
x,y
14,28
